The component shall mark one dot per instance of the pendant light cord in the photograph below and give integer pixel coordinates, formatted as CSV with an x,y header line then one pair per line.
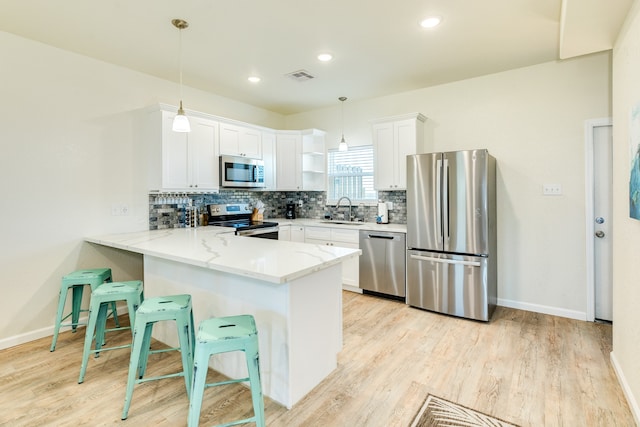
x,y
342,119
180,62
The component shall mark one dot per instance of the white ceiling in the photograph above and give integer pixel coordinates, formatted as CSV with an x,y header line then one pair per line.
x,y
377,45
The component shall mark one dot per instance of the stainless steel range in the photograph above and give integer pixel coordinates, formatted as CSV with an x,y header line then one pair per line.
x,y
238,216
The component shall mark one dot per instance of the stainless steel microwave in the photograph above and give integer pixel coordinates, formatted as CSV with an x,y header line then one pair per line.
x,y
241,172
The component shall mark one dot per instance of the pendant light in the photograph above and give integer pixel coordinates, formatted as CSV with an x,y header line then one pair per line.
x,y
180,122
343,144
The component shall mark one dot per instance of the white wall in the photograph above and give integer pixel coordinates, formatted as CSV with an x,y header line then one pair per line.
x,y
626,231
532,120
66,149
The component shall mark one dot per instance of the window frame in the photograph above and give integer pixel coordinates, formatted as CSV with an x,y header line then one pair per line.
x,y
331,201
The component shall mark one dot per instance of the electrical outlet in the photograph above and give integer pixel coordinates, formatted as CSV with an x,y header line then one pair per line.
x,y
551,189
300,203
390,206
119,209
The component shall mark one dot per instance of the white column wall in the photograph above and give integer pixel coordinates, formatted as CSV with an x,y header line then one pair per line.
x,y
626,231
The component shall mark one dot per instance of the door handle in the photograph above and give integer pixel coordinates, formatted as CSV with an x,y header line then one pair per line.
x,y
600,234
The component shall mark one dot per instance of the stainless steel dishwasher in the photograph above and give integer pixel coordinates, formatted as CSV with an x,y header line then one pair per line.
x,y
382,263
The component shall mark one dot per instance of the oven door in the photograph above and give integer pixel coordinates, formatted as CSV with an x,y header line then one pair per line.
x,y
262,233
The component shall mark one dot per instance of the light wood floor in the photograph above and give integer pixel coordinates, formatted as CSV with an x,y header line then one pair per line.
x,y
523,367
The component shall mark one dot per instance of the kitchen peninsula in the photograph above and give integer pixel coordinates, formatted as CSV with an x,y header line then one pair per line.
x,y
292,289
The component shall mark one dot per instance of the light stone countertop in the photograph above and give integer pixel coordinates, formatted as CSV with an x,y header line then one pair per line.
x,y
217,248
371,226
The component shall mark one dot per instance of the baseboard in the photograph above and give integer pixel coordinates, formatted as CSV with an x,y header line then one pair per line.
x,y
628,394
544,309
25,338
41,333
351,288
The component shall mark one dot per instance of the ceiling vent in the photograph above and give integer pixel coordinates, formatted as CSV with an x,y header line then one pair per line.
x,y
300,76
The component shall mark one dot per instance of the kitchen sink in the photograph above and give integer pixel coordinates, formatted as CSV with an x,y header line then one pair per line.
x,y
343,222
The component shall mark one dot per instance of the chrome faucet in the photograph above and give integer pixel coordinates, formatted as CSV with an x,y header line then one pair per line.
x,y
349,218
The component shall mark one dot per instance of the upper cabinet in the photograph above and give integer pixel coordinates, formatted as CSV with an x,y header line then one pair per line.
x,y
189,162
314,163
181,161
238,140
300,160
289,161
394,138
269,159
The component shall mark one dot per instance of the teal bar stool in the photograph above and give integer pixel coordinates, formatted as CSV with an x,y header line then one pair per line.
x,y
76,281
152,310
132,292
221,335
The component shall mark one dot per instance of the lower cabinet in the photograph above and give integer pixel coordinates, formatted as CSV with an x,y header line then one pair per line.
x,y
284,232
341,237
293,233
297,233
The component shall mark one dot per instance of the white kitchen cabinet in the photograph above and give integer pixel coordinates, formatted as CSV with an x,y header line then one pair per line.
x,y
297,233
185,162
238,140
314,164
269,159
284,232
342,237
394,138
289,161
300,160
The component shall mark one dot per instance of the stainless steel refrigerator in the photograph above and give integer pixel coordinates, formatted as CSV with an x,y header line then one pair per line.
x,y
451,233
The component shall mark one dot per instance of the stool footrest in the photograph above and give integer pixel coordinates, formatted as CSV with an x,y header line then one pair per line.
x,y
159,377
109,348
241,380
120,328
164,350
235,423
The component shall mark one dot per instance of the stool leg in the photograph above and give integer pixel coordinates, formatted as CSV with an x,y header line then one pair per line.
x,y
132,307
139,332
186,352
62,299
101,325
144,352
200,367
94,308
253,366
114,311
76,305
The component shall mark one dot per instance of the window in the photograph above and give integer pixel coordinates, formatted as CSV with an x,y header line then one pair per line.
x,y
350,173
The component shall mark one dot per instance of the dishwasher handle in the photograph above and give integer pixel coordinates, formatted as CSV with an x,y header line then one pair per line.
x,y
378,236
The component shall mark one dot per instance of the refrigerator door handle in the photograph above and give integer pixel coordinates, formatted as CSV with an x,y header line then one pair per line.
x,y
439,197
445,203
445,261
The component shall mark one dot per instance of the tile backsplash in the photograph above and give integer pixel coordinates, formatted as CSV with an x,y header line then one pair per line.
x,y
169,210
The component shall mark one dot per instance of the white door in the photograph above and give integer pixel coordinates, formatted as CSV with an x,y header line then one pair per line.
x,y
602,184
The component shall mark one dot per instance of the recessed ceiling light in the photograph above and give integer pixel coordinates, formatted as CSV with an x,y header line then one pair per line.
x,y
430,22
324,57
254,79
